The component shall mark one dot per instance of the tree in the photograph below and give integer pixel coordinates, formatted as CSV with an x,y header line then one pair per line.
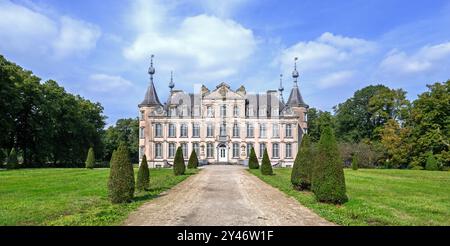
x,y
266,166
303,164
396,144
13,162
328,181
121,176
143,178
178,164
355,161
3,156
253,162
432,163
125,130
90,159
317,121
193,160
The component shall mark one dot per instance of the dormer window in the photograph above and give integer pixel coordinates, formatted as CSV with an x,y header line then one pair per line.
x,y
209,111
262,112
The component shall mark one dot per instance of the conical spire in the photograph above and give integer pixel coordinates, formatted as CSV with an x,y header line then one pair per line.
x,y
151,98
295,98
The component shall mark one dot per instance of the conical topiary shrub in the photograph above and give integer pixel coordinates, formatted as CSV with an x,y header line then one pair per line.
x,y
121,176
355,161
253,160
328,181
143,177
193,161
90,159
303,164
432,163
266,166
178,164
13,162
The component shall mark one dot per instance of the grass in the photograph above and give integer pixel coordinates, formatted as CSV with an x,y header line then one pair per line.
x,y
379,197
70,196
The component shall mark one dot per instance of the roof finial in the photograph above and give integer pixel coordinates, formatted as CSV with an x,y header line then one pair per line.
x,y
151,69
295,74
171,84
281,88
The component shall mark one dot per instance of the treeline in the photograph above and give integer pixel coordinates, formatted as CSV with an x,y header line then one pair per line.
x,y
380,127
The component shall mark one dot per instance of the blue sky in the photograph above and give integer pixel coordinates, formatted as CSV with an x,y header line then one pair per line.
x,y
100,49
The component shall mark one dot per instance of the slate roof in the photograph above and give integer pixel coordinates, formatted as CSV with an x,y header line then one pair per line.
x,y
151,98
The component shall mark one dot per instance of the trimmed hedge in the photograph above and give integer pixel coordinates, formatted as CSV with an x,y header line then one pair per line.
x,y
355,161
303,164
253,160
121,176
266,166
328,181
13,162
193,160
143,177
178,164
90,159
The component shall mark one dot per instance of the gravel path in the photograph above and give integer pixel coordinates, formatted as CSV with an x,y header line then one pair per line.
x,y
224,195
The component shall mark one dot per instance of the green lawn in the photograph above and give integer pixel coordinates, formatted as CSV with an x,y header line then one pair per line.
x,y
70,196
380,197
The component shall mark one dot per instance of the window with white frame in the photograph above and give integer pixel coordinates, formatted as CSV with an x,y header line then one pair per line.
x,y
171,150
275,130
249,149
210,150
236,111
141,151
275,150
209,111
223,129
236,130
195,130
262,112
172,130
158,150
158,130
262,130
173,111
288,130
210,130
196,148
184,148
141,132
275,112
183,131
223,110
262,147
250,130
288,150
235,150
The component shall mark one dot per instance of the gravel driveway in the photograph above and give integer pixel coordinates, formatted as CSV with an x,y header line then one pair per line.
x,y
224,195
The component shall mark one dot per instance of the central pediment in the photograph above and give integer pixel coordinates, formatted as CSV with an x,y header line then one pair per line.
x,y
223,91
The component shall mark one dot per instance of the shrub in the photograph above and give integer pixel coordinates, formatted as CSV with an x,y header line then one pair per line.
x,y
13,162
3,156
328,181
355,162
193,160
143,177
432,163
90,159
178,164
253,160
121,176
266,166
303,163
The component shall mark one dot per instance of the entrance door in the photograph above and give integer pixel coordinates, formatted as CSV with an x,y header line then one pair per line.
x,y
223,154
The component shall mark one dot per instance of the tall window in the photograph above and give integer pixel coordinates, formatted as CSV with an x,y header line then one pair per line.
x,y
275,150
209,111
249,130
235,150
262,130
275,130
183,131
249,149
195,130
171,150
158,150
210,150
262,147
236,111
172,130
141,151
288,150
142,115
223,129
288,130
158,130
236,130
223,111
141,133
210,130
184,148
196,148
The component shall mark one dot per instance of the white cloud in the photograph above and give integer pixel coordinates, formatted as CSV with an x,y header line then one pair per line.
x,y
335,79
424,60
26,30
108,83
198,45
